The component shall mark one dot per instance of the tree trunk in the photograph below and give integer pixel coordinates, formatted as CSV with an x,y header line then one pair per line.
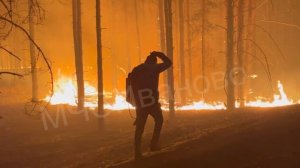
x,y
181,53
240,53
114,56
230,55
189,46
251,19
162,26
127,37
33,59
162,37
99,58
169,44
78,52
203,47
138,31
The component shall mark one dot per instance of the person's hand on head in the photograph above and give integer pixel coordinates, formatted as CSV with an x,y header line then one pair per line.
x,y
157,53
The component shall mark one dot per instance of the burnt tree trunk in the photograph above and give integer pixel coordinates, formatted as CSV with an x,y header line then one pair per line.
x,y
240,54
127,36
162,26
34,78
114,56
203,47
251,19
78,52
99,58
138,31
169,44
181,53
229,56
189,47
162,37
250,34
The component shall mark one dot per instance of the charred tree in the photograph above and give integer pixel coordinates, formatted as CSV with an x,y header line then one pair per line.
x,y
99,58
181,52
203,47
240,53
78,52
162,36
169,45
229,56
114,56
33,59
127,36
162,25
189,46
138,31
251,26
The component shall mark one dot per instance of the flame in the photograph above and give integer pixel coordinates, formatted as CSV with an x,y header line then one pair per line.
x,y
201,105
278,100
119,104
65,92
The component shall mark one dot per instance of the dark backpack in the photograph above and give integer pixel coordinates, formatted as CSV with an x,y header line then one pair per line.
x,y
129,89
133,83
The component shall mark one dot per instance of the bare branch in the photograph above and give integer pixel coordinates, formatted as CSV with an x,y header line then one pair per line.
x,y
5,6
9,52
260,61
8,13
10,73
36,45
273,40
281,23
266,60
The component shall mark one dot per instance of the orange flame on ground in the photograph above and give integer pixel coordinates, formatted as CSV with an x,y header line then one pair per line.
x,y
65,92
201,105
278,100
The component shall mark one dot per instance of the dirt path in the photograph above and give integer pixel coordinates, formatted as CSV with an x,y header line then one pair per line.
x,y
271,141
250,138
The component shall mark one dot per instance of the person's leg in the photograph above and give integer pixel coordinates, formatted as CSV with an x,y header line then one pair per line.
x,y
141,119
158,118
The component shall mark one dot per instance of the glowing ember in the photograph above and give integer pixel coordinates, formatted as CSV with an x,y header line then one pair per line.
x,y
65,92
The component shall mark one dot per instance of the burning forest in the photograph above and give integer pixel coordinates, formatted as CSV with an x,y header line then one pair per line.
x,y
79,80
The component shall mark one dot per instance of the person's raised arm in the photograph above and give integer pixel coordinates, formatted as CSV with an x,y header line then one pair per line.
x,y
166,62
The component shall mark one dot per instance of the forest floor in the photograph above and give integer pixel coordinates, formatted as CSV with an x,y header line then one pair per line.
x,y
247,138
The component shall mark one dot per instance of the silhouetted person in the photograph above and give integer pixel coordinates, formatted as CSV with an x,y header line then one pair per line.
x,y
145,91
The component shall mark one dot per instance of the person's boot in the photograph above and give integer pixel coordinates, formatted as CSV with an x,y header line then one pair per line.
x,y
154,147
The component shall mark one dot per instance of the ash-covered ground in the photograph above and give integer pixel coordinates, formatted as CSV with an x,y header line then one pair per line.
x,y
62,138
